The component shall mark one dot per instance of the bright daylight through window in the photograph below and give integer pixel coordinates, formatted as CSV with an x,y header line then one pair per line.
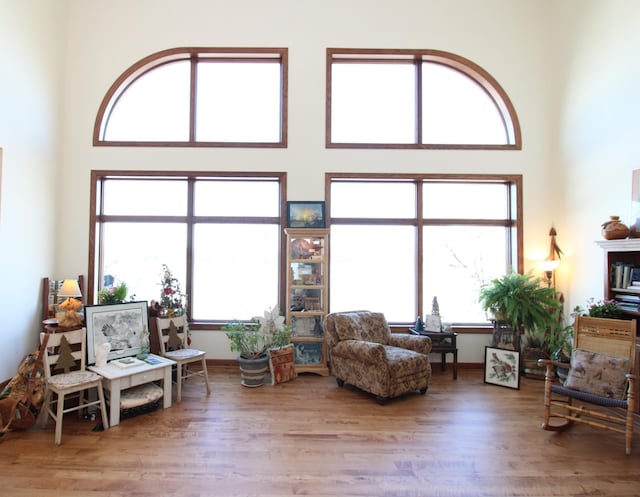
x,y
415,99
233,236
388,254
198,97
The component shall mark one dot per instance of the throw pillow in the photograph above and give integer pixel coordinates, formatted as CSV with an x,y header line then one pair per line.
x,y
281,364
598,374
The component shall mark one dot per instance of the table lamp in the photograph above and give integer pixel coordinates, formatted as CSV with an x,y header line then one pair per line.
x,y
71,290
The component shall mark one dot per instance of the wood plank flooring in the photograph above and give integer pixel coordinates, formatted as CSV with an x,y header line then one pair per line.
x,y
309,437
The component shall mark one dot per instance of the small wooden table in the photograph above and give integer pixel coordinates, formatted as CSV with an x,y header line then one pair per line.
x,y
117,379
444,343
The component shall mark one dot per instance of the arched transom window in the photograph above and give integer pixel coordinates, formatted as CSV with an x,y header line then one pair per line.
x,y
415,99
198,97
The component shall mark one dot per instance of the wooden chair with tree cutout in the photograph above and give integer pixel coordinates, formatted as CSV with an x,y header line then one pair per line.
x,y
173,335
66,351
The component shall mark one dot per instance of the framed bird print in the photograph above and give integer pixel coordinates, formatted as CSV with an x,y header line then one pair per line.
x,y
502,367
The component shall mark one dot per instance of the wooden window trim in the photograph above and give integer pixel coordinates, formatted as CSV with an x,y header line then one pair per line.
x,y
96,218
381,56
515,256
195,55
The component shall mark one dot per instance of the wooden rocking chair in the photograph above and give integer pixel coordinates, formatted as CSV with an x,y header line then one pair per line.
x,y
602,361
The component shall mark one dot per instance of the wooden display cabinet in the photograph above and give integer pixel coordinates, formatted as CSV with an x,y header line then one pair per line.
x,y
624,252
307,284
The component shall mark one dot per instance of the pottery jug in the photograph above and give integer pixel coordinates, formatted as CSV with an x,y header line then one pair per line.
x,y
613,229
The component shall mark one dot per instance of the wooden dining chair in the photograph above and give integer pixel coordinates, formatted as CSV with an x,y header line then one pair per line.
x,y
66,351
173,337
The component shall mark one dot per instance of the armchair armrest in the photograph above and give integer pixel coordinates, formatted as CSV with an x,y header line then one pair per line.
x,y
417,343
359,350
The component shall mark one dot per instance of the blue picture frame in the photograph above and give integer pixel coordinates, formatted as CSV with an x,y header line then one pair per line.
x,y
306,214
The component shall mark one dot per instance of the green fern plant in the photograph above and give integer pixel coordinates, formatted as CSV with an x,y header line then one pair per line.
x,y
521,301
113,295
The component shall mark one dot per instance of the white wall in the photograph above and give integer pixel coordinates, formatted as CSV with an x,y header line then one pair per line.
x,y
598,76
500,35
31,50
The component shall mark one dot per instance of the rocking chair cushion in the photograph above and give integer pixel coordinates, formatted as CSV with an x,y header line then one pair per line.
x,y
598,374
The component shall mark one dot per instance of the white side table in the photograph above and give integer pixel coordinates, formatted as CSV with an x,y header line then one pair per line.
x,y
117,379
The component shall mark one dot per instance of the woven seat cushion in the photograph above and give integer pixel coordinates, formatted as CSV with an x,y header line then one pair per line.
x,y
589,397
141,395
598,374
73,378
183,353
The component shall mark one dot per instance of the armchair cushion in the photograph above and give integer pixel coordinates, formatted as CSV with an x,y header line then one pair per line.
x,y
598,374
362,325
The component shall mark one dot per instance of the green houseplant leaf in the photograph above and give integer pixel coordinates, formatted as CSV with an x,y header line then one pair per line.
x,y
254,338
520,300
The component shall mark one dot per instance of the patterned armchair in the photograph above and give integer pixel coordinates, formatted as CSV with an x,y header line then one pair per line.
x,y
364,353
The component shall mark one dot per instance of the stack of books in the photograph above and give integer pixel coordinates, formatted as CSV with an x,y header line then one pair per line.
x,y
628,302
625,276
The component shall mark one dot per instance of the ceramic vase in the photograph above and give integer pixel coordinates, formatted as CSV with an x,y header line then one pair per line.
x,y
253,371
614,229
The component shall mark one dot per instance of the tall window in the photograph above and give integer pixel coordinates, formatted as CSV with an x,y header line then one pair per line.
x,y
198,97
397,241
219,233
415,99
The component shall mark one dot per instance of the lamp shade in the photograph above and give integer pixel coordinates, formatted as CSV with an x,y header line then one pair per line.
x,y
549,265
70,288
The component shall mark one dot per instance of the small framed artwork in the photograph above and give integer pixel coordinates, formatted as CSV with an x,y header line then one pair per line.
x,y
305,214
502,367
119,325
308,353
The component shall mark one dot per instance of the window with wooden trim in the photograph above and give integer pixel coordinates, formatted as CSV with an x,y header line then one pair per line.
x,y
415,99
198,97
432,236
220,233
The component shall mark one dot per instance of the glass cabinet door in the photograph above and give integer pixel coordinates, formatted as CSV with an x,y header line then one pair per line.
x,y
307,256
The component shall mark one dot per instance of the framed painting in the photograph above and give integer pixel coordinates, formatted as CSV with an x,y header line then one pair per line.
x,y
307,353
305,214
119,325
502,367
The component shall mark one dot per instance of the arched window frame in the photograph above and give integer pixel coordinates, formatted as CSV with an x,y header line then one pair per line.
x,y
466,67
194,55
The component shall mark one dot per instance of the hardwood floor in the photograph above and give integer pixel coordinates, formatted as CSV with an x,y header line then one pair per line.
x,y
310,437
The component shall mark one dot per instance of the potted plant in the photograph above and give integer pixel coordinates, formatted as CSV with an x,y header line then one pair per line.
x,y
172,300
253,339
521,301
116,294
529,308
606,308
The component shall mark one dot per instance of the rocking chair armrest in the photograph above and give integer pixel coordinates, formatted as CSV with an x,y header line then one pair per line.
x,y
550,365
549,362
